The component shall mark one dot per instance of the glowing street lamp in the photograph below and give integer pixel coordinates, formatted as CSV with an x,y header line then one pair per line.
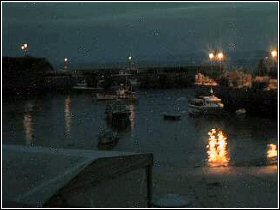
x,y
24,48
211,56
274,53
65,63
129,61
220,56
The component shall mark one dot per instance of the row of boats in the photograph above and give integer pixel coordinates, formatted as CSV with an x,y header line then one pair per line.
x,y
123,93
202,105
118,113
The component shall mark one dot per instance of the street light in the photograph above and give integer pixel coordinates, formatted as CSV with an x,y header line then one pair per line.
x,y
24,48
65,63
211,56
129,61
274,57
274,53
220,57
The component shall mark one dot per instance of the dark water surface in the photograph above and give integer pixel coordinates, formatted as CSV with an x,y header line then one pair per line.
x,y
73,121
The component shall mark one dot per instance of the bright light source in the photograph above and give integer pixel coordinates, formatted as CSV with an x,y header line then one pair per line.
x,y
274,53
25,45
129,58
65,59
211,56
22,47
220,55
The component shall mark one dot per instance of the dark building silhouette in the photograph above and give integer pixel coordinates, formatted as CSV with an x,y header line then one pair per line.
x,y
24,75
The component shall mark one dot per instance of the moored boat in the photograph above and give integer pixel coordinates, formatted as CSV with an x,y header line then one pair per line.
x,y
240,112
118,114
206,105
171,116
106,96
107,139
126,93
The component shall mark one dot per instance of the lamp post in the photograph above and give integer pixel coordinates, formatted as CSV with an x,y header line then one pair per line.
x,y
129,62
211,58
274,55
65,63
24,48
220,57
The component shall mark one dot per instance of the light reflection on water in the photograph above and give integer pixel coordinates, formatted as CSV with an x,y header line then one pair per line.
x,y
28,124
67,121
132,116
217,148
28,128
67,116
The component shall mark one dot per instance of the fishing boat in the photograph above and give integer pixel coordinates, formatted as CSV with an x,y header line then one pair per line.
x,y
81,85
107,139
126,93
123,93
106,96
206,105
118,113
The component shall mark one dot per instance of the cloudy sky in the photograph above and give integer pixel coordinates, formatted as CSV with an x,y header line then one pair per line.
x,y
152,32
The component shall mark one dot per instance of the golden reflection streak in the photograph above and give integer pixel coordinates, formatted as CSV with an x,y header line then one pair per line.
x,y
217,148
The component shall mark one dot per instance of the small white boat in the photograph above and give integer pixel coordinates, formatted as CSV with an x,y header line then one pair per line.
x,y
206,105
240,112
82,83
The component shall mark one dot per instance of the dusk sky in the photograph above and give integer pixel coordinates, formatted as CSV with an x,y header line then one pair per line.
x,y
153,32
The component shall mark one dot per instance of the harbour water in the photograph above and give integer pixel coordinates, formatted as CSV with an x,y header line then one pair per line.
x,y
74,120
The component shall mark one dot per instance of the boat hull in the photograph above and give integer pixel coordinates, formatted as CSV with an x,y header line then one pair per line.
x,y
103,97
172,117
202,110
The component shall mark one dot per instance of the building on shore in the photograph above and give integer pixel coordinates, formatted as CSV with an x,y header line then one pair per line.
x,y
201,79
238,79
